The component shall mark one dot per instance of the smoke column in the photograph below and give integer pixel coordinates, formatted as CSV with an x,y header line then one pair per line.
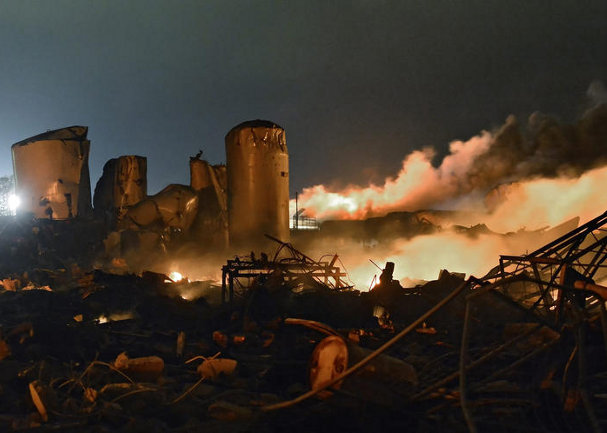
x,y
543,148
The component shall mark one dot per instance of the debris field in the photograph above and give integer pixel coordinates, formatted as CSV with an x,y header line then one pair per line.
x,y
286,345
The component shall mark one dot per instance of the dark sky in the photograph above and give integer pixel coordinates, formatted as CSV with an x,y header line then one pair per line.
x,y
356,84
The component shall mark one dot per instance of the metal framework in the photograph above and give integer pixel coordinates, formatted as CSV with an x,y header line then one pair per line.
x,y
545,281
558,290
555,285
290,262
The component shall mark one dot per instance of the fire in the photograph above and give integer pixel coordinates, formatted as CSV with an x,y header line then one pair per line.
x,y
560,155
186,296
115,317
423,257
518,178
175,277
531,205
546,202
418,185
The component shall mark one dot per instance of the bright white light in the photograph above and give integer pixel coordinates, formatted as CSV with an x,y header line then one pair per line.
x,y
13,202
175,276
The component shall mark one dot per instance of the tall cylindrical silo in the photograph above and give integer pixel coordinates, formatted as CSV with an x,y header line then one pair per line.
x,y
52,173
258,183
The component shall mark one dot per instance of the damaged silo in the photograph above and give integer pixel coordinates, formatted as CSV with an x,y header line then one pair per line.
x,y
210,183
174,207
258,183
52,173
122,184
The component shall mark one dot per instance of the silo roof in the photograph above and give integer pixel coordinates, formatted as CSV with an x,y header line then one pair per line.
x,y
257,123
76,133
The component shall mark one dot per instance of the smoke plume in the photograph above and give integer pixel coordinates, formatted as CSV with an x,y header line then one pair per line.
x,y
542,147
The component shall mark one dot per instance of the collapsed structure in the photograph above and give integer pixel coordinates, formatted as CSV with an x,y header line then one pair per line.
x,y
521,348
223,205
52,173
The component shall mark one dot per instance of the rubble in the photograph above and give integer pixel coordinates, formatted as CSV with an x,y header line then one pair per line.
x,y
93,340
294,346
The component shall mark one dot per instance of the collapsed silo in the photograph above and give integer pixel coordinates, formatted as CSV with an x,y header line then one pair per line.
x,y
52,173
122,184
210,183
258,183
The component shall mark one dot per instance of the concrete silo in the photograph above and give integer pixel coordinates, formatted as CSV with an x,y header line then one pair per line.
x,y
258,183
52,173
122,184
210,183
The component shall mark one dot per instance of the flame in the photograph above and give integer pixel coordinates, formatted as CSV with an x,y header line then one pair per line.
x,y
527,205
423,257
560,175
115,317
546,202
418,185
175,277
537,176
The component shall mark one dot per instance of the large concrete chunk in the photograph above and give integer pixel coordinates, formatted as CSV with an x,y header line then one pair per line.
x,y
52,173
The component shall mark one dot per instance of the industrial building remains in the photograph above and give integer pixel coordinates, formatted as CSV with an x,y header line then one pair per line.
x,y
92,339
234,204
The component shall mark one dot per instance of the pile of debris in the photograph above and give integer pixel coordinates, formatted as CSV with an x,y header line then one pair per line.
x,y
292,346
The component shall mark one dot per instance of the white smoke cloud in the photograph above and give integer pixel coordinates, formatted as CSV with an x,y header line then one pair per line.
x,y
597,92
542,148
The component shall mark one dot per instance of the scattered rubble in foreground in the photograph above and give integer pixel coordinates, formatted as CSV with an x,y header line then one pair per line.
x,y
521,349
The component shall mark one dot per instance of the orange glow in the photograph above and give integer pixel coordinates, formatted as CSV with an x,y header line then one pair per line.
x,y
423,257
175,277
513,208
418,185
530,205
547,202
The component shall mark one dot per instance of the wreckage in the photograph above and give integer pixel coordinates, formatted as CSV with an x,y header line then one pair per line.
x,y
284,341
522,347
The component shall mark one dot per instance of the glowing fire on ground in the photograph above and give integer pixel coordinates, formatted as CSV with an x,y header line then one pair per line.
x,y
528,205
192,278
423,257
175,277
115,317
520,183
546,202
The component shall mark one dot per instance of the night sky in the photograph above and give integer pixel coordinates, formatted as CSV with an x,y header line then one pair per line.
x,y
356,84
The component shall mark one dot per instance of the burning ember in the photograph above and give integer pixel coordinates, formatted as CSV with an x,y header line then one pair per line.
x,y
115,317
175,277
